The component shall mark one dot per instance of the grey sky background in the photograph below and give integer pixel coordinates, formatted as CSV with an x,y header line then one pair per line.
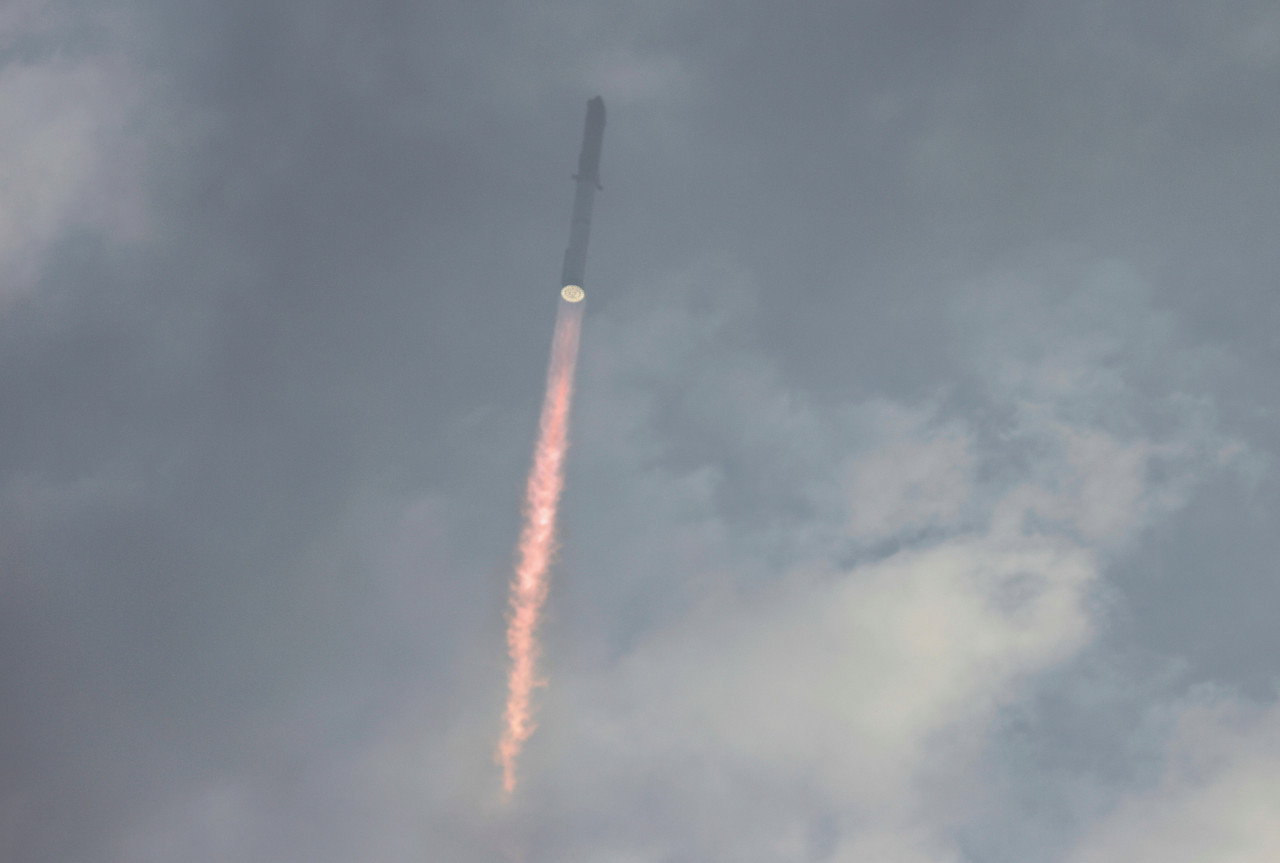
x,y
922,495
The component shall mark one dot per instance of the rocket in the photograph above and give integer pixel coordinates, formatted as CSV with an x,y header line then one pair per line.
x,y
588,180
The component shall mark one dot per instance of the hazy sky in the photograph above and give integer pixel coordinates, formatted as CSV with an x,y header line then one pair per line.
x,y
922,502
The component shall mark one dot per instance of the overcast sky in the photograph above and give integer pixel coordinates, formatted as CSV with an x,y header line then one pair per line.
x,y
922,500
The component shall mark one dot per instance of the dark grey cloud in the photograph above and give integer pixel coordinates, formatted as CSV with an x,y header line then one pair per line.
x,y
922,483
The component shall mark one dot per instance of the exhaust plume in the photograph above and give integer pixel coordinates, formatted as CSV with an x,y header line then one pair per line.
x,y
537,544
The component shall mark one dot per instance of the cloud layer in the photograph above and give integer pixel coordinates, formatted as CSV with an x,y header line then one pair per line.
x,y
919,503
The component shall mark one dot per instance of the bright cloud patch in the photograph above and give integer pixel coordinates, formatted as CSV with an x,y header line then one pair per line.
x,y
919,477
784,630
1218,800
870,687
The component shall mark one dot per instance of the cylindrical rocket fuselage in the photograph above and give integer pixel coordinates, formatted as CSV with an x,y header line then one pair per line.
x,y
588,177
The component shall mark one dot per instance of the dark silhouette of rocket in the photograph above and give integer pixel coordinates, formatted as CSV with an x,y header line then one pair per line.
x,y
588,177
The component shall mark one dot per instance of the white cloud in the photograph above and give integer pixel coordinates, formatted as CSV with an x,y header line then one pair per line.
x,y
849,676
1087,482
918,476
1218,800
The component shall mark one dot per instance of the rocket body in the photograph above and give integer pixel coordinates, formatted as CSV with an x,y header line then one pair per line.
x,y
537,546
588,180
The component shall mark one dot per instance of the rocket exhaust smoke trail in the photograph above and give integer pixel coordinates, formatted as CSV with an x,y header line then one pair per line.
x,y
537,543
537,539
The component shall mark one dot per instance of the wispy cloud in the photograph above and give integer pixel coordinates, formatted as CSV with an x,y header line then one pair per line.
x,y
72,143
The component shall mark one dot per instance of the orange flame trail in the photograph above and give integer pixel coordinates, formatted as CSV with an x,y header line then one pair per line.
x,y
538,541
